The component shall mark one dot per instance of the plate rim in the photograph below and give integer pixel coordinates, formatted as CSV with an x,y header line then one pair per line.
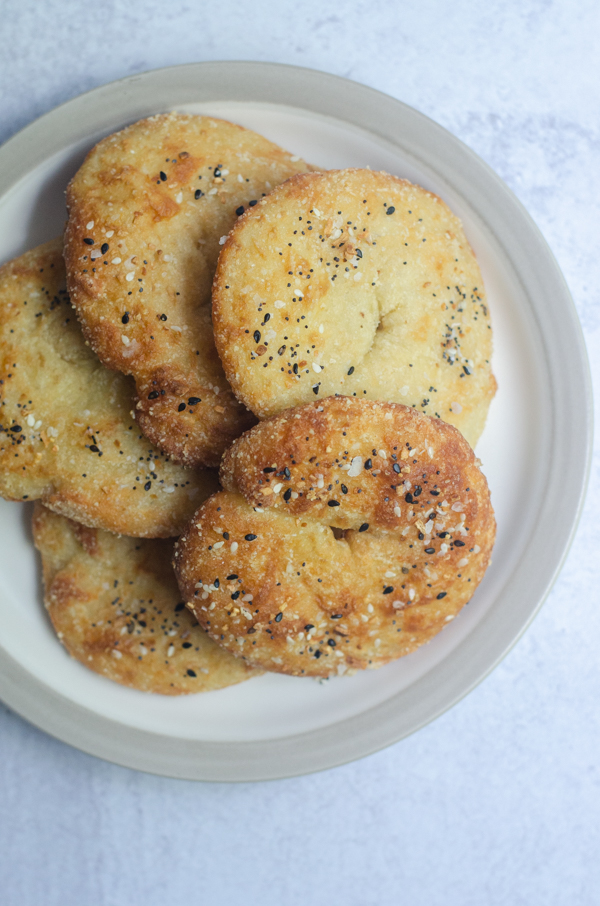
x,y
377,113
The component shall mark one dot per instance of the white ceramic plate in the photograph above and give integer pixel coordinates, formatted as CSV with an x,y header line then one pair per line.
x,y
535,449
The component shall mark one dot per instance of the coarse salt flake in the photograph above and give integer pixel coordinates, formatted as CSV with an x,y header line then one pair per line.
x,y
355,467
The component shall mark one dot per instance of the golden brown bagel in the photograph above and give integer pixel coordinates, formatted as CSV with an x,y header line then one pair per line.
x,y
349,533
354,282
116,608
147,211
67,435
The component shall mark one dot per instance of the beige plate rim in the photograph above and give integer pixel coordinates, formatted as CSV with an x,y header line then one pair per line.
x,y
565,467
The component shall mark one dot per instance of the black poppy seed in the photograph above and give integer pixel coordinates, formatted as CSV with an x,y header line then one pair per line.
x,y
317,654
181,407
364,527
388,589
368,464
308,627
198,193
396,467
256,336
252,203
179,606
351,370
193,400
336,616
232,577
408,497
287,474
441,595
104,248
390,210
94,448
279,618
191,673
333,503
287,495
239,210
16,428
331,643
430,550
89,241
458,543
250,537
148,485
344,489
235,595
163,176
268,469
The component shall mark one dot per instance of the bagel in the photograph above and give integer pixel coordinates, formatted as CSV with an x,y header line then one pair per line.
x,y
349,533
66,432
354,282
147,211
115,606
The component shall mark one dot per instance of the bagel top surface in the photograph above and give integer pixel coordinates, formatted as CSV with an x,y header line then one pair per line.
x,y
349,533
147,211
354,282
66,431
116,608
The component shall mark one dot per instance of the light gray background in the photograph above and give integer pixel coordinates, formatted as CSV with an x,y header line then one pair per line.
x,y
496,802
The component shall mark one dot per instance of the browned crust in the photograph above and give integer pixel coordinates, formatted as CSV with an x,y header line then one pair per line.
x,y
67,436
390,307
169,241
376,575
116,608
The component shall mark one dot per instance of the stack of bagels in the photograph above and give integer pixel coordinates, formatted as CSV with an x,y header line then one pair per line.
x,y
321,338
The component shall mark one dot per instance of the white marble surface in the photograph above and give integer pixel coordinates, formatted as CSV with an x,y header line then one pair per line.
x,y
497,801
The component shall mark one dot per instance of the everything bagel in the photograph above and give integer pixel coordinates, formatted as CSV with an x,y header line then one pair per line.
x,y
354,282
147,211
348,534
